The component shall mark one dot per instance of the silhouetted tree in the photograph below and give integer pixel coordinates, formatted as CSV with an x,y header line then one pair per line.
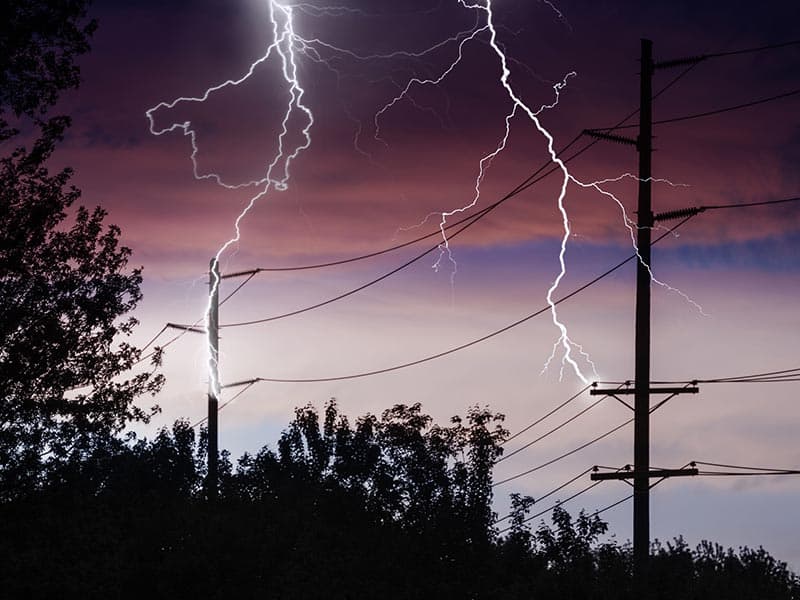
x,y
65,289
338,510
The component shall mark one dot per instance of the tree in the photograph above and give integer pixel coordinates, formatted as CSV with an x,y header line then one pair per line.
x,y
337,511
65,289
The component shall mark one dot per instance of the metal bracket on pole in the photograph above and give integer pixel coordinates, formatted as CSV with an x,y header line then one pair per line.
x,y
651,474
653,390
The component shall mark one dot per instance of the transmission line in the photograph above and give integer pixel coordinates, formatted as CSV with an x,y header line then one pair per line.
x,y
749,204
360,288
709,113
540,419
747,470
554,506
473,342
565,455
529,181
752,50
767,377
224,404
550,431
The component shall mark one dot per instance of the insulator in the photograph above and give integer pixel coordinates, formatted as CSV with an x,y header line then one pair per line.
x,y
609,137
678,214
690,60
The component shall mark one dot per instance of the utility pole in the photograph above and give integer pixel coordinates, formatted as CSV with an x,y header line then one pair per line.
x,y
641,473
641,406
213,379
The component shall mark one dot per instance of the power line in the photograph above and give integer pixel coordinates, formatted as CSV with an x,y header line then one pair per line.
x,y
748,470
707,113
593,514
767,376
473,342
224,404
467,221
610,506
718,111
184,328
693,60
360,288
550,493
749,204
752,50
556,505
565,455
551,431
238,287
529,181
154,338
540,419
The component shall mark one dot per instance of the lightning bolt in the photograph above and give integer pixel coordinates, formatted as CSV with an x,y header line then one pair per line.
x,y
564,342
517,105
277,173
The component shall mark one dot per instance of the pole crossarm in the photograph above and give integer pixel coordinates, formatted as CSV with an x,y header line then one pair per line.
x,y
190,328
650,474
653,390
240,274
240,383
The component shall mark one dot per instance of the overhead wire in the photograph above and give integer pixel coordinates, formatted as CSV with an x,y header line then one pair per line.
x,y
184,328
224,404
360,288
708,113
556,505
531,180
579,493
525,184
767,376
154,338
528,182
751,50
550,432
473,342
749,470
750,204
564,455
472,220
550,493
542,418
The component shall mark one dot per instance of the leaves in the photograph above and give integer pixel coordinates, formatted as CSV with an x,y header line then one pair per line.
x,y
65,288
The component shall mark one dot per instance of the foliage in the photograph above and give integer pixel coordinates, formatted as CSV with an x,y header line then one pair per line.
x,y
39,42
392,507
65,289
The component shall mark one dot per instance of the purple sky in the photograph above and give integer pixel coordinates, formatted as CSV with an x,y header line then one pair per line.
x,y
351,193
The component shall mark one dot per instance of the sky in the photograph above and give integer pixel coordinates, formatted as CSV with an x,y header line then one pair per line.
x,y
385,151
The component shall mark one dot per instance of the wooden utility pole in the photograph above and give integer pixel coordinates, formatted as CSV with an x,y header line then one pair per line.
x,y
212,484
641,473
641,406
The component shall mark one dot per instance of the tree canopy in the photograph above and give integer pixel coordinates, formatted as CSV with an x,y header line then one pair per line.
x,y
391,507
65,290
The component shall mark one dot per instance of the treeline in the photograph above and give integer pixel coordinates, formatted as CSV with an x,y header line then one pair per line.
x,y
389,507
